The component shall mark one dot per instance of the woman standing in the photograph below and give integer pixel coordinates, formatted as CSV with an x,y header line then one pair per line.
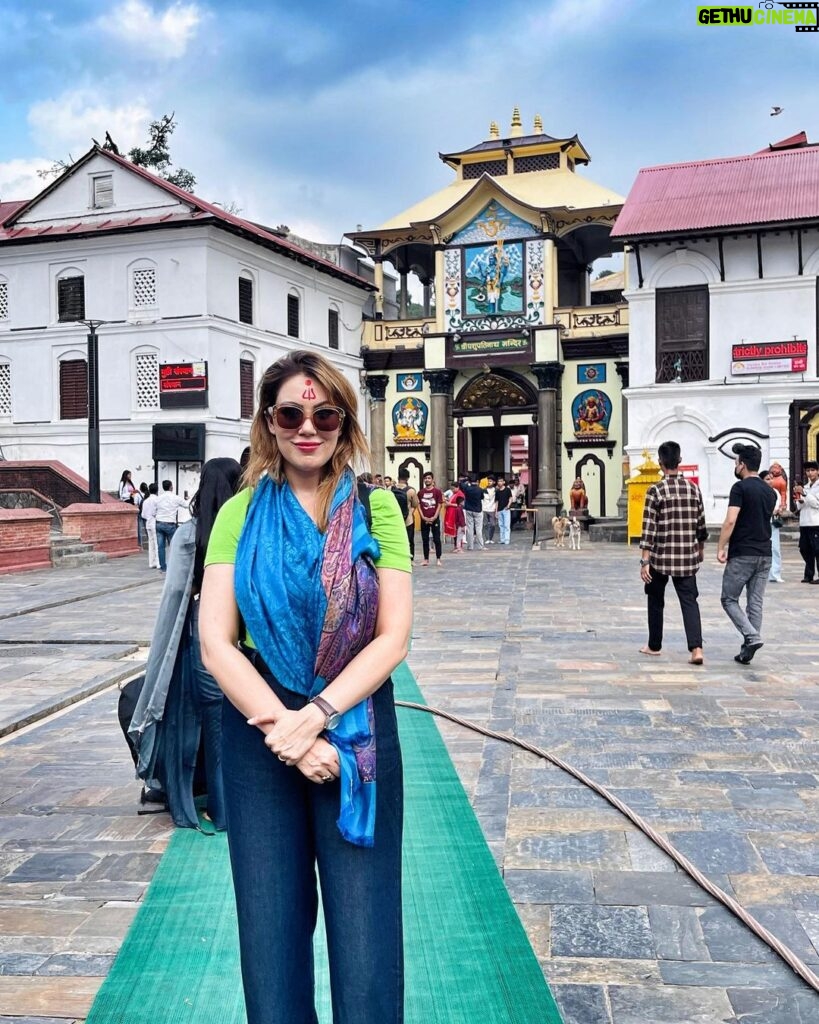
x,y
180,706
320,594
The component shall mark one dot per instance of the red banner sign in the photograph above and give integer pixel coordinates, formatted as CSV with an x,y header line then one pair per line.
x,y
769,357
174,377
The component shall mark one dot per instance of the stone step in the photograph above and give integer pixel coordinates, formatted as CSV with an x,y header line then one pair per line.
x,y
69,546
78,559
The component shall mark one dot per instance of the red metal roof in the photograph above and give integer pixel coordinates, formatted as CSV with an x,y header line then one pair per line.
x,y
200,210
763,188
8,209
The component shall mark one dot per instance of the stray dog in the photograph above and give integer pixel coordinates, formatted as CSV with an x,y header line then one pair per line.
x,y
574,534
560,524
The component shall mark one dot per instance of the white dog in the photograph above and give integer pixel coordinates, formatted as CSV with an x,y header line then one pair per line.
x,y
574,534
560,524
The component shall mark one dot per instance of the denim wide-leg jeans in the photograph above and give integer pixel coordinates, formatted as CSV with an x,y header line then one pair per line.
x,y
281,828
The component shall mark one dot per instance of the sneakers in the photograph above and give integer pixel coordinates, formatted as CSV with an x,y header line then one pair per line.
x,y
747,652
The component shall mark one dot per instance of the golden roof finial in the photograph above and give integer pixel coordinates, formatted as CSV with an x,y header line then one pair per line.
x,y
538,124
517,124
494,131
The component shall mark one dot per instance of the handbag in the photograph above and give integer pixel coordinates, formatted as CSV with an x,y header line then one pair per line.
x,y
776,522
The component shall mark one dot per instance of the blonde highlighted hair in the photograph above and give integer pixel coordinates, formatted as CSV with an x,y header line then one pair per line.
x,y
352,450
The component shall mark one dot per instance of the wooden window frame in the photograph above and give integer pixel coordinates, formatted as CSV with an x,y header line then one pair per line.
x,y
247,388
687,348
246,300
333,325
70,307
73,389
293,315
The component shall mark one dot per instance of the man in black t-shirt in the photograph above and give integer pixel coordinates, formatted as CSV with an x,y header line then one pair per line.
x,y
745,548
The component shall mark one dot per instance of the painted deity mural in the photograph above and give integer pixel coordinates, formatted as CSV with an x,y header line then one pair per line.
x,y
493,278
493,274
409,421
591,414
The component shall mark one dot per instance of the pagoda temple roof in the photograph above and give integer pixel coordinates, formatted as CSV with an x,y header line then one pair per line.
x,y
539,190
573,144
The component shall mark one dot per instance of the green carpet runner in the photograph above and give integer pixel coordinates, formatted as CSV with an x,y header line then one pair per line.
x,y
467,956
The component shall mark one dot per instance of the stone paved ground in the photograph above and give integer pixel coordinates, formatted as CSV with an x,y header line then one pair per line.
x,y
722,759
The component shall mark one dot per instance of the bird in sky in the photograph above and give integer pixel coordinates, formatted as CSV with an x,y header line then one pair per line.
x,y
776,110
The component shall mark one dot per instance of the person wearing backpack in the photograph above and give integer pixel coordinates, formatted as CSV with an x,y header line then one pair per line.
x,y
407,498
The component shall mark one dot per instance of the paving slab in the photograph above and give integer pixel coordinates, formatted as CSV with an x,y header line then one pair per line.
x,y
720,758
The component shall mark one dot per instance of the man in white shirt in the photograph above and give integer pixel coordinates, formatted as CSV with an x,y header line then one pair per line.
x,y
490,511
167,507
148,514
807,501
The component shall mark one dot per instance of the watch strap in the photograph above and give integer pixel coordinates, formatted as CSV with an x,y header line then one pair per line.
x,y
325,706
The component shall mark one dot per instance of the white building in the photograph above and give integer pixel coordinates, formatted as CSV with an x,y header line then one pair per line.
x,y
723,272
180,283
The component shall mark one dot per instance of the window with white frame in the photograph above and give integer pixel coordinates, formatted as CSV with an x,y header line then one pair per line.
x,y
245,298
247,386
146,373
70,296
143,287
332,327
73,389
102,191
5,389
4,299
293,315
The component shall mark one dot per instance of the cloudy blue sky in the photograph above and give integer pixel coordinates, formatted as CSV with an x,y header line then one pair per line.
x,y
327,115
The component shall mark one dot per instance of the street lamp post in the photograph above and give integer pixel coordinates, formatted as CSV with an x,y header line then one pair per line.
x,y
93,410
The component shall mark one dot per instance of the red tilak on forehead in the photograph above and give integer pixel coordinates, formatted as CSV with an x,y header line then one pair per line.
x,y
309,391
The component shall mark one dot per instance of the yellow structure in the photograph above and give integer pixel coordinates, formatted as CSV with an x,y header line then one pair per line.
x,y
509,349
648,473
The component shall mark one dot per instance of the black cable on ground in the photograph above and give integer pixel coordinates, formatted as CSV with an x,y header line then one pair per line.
x,y
790,958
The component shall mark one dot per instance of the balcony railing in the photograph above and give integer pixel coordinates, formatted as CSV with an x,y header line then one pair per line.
x,y
592,321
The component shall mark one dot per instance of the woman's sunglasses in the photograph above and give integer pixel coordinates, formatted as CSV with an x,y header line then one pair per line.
x,y
291,417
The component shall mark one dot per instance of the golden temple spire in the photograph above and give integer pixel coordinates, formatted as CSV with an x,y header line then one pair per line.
x,y
517,125
494,131
538,124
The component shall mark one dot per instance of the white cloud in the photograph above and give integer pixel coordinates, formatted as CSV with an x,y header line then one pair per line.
x,y
68,123
19,180
164,35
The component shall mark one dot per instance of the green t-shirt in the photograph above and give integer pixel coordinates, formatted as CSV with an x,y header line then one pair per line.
x,y
387,528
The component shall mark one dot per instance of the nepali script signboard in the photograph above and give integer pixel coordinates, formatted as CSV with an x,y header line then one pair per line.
x,y
769,357
183,385
476,348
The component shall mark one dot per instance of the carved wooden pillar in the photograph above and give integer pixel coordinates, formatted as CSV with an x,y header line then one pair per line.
x,y
622,501
378,281
549,278
440,386
547,500
377,386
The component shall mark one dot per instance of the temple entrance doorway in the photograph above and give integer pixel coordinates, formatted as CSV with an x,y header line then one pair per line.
x,y
804,438
497,450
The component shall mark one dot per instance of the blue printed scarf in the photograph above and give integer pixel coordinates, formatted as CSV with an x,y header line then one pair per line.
x,y
309,601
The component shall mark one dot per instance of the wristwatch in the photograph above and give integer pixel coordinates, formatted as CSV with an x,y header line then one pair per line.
x,y
331,716
644,562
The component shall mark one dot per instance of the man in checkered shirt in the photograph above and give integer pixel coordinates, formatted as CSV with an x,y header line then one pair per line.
x,y
672,546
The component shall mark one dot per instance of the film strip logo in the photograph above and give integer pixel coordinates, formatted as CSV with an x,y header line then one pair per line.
x,y
804,7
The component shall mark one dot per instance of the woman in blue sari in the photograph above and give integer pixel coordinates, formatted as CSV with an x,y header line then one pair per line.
x,y
306,609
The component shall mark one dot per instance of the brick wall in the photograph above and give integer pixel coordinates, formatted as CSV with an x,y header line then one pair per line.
x,y
24,539
110,528
51,478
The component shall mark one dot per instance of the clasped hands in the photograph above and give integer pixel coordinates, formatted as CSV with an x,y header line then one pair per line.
x,y
295,740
